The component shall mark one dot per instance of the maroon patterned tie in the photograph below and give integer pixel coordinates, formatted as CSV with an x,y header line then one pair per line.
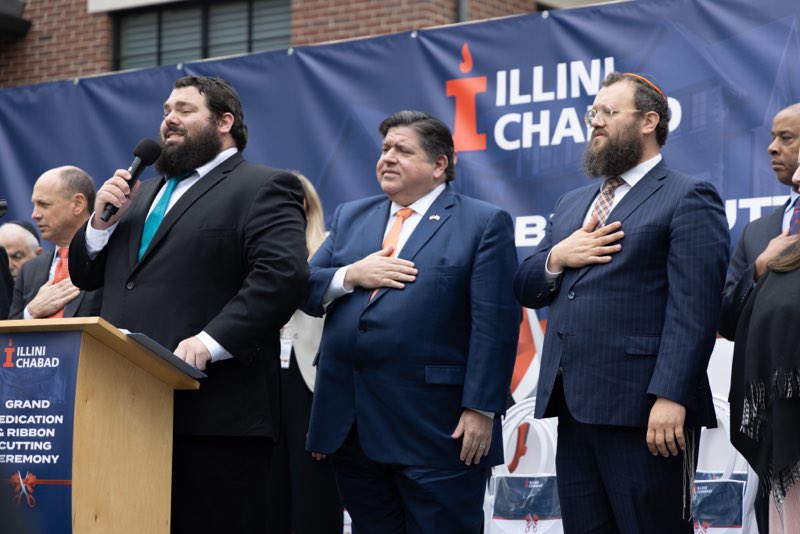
x,y
602,207
794,222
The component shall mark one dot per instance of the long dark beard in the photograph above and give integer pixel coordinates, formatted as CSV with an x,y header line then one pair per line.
x,y
194,151
620,154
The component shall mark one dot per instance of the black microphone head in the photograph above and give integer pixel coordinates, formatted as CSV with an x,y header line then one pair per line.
x,y
147,150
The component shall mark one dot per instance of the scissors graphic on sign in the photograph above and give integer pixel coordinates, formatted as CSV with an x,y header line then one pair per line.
x,y
24,488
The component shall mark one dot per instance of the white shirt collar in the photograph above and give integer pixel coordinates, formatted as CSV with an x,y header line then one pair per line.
x,y
204,169
422,204
634,174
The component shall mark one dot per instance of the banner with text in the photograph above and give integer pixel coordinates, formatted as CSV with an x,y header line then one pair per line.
x,y
514,91
38,376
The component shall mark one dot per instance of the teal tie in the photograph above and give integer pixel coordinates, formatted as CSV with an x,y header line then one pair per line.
x,y
157,215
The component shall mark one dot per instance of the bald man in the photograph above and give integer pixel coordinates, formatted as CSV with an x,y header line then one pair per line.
x,y
763,239
20,244
62,202
760,242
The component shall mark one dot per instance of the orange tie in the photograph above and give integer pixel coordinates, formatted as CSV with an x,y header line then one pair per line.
x,y
394,234
61,273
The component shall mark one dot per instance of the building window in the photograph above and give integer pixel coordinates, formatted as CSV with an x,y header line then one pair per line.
x,y
198,30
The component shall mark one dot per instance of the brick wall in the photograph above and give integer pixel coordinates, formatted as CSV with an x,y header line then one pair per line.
x,y
63,42
487,9
315,21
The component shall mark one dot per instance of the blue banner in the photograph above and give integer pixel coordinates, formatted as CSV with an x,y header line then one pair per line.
x,y
513,90
38,375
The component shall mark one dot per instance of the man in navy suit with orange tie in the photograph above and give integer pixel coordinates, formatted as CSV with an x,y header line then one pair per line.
x,y
419,340
632,269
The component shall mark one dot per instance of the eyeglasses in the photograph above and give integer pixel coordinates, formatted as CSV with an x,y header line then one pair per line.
x,y
604,113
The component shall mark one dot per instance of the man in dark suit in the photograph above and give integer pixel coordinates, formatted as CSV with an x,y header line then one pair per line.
x,y
419,341
759,243
62,202
211,263
632,270
763,239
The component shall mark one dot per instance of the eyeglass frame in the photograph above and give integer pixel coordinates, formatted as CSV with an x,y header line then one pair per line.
x,y
611,112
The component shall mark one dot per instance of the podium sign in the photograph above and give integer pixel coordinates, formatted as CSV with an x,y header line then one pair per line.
x,y
85,427
37,388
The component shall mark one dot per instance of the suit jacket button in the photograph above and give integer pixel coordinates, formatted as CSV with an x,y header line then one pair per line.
x,y
571,295
130,285
362,328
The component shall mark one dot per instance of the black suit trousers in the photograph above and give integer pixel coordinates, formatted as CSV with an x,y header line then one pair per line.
x,y
301,492
218,484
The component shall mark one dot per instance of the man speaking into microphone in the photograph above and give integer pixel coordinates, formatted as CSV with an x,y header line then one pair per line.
x,y
210,261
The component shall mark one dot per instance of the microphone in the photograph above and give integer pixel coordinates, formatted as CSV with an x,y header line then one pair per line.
x,y
146,153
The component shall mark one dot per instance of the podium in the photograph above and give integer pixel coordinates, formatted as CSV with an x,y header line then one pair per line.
x,y
85,427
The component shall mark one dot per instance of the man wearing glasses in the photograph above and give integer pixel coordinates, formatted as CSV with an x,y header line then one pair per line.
x,y
632,268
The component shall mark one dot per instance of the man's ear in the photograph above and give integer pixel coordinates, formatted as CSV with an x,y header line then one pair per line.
x,y
650,122
225,123
440,166
79,203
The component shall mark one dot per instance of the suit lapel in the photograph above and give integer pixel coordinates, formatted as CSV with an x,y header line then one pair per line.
x,y
72,306
196,191
583,203
42,275
775,221
374,228
574,219
430,223
649,184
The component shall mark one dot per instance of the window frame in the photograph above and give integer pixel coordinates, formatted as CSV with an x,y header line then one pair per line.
x,y
205,23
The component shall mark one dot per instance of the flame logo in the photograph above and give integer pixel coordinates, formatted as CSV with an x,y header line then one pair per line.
x,y
9,351
465,90
466,63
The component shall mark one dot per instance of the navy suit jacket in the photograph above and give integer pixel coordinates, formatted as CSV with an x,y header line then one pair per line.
x,y
33,275
754,239
643,325
404,365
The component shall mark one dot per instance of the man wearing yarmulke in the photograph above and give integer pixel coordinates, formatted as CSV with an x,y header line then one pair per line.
x,y
632,267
